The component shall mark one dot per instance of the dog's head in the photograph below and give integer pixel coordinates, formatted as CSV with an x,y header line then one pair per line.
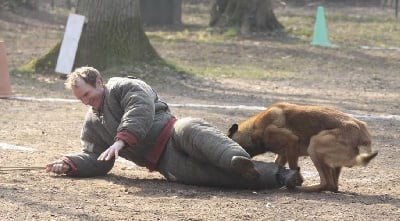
x,y
242,134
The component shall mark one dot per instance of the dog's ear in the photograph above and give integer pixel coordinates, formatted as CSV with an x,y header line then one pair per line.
x,y
233,129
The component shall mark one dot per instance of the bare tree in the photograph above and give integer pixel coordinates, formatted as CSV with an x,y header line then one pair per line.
x,y
161,12
113,35
247,15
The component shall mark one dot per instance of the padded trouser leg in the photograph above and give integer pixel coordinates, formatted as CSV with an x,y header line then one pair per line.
x,y
177,166
204,142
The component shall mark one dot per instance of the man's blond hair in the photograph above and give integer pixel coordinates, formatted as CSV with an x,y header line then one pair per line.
x,y
87,74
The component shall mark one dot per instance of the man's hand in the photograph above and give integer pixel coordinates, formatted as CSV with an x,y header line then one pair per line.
x,y
58,167
112,151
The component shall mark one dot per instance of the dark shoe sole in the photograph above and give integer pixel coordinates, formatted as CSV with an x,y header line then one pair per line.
x,y
244,167
293,179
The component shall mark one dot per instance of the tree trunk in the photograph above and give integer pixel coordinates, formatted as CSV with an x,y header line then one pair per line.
x,y
112,36
246,15
161,12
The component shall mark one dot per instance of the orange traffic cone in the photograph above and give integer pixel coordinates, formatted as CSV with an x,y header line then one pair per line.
x,y
5,83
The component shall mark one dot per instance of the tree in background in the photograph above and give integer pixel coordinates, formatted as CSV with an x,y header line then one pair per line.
x,y
245,15
112,36
161,12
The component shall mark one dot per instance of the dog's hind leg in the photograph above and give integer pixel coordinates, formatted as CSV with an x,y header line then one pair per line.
x,y
329,178
320,148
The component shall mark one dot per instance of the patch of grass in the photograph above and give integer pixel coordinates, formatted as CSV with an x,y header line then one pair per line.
x,y
230,33
346,28
364,30
349,28
300,26
249,72
196,14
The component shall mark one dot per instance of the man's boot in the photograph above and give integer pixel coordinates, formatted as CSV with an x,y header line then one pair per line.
x,y
245,167
290,178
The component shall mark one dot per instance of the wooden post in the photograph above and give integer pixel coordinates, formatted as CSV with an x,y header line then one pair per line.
x,y
5,83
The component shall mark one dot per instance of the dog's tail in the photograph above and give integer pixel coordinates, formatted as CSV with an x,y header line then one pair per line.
x,y
364,158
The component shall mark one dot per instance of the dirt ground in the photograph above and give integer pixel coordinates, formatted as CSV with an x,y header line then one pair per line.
x,y
51,129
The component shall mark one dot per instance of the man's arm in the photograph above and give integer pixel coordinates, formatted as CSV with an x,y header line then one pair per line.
x,y
80,165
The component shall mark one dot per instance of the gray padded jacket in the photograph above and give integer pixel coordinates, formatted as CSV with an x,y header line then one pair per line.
x,y
132,106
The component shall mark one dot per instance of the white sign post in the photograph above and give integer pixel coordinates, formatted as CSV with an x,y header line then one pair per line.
x,y
69,45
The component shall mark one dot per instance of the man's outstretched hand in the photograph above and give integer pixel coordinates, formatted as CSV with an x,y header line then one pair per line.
x,y
57,167
112,151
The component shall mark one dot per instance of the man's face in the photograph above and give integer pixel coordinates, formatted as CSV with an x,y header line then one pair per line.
x,y
89,95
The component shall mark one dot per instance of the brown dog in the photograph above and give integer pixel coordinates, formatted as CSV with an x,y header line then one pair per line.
x,y
331,138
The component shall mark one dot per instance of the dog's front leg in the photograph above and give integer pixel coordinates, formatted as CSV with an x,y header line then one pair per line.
x,y
280,159
292,156
283,142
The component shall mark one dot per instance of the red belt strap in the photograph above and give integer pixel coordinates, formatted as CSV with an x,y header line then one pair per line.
x,y
160,145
